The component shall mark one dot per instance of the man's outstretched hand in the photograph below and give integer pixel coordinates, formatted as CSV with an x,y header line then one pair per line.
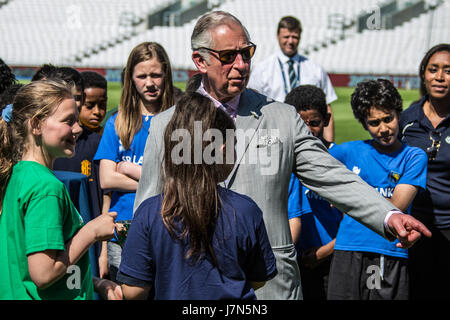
x,y
407,229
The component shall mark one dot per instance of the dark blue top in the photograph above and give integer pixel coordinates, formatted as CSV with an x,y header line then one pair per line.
x,y
151,256
82,162
433,205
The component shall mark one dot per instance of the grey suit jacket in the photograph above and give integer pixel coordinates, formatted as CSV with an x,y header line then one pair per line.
x,y
272,143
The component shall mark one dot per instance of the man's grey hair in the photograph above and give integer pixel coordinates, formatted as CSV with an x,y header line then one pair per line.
x,y
201,35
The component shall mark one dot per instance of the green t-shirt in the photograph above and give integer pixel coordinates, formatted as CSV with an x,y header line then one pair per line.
x,y
38,215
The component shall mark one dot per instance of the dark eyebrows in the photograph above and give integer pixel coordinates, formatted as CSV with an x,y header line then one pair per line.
x,y
437,65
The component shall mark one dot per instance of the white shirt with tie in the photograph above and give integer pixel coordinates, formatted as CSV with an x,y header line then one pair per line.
x,y
267,78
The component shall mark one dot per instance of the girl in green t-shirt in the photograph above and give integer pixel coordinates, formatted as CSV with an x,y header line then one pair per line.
x,y
43,240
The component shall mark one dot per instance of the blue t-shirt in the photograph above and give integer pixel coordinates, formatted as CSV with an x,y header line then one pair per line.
x,y
320,222
298,204
151,256
111,148
383,171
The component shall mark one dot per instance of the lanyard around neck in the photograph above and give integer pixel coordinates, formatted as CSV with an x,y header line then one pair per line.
x,y
297,77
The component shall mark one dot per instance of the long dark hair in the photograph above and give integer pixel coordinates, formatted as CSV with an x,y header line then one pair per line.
x,y
191,202
424,63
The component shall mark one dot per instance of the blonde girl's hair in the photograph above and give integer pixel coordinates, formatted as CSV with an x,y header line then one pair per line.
x,y
33,103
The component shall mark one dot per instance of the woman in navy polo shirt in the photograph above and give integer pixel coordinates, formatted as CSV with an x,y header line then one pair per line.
x,y
197,240
426,124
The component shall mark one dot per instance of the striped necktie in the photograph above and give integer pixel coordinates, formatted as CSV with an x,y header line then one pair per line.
x,y
291,71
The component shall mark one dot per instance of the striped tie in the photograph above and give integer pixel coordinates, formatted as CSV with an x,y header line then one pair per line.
x,y
292,80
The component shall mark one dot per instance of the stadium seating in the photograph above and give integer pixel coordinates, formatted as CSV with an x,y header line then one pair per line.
x,y
98,33
396,51
259,16
36,32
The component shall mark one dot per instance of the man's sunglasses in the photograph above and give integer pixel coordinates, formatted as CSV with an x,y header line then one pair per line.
x,y
376,123
228,56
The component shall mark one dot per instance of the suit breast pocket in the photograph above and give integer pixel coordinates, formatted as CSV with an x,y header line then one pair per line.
x,y
269,154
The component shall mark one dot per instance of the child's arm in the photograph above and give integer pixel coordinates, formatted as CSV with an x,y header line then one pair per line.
x,y
315,256
129,169
326,250
135,292
46,267
111,179
403,195
107,289
295,224
103,260
103,256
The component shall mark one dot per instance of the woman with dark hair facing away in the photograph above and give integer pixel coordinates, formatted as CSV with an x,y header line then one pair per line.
x,y
197,240
43,239
147,90
426,124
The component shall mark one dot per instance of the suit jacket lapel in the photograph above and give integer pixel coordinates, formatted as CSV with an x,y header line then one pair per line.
x,y
248,119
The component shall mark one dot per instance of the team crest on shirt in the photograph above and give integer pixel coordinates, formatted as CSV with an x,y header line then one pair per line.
x,y
86,167
356,170
447,139
394,176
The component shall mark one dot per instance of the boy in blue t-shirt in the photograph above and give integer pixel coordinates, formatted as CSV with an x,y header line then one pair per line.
x,y
365,265
314,223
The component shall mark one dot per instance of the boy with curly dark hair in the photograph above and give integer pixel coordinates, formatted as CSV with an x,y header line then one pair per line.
x,y
366,266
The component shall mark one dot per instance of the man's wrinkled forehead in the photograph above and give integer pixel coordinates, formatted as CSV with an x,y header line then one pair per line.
x,y
223,30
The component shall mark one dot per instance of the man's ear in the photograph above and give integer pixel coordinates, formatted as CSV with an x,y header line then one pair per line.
x,y
199,62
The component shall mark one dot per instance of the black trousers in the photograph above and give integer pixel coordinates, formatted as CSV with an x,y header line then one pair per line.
x,y
315,280
367,276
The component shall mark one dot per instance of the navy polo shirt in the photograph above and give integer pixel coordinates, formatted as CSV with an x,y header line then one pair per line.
x,y
85,149
433,205
152,257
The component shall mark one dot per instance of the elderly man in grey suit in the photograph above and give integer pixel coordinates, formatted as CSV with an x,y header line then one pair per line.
x,y
272,142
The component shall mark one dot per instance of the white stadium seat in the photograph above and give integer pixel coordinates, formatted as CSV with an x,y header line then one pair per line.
x,y
84,33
